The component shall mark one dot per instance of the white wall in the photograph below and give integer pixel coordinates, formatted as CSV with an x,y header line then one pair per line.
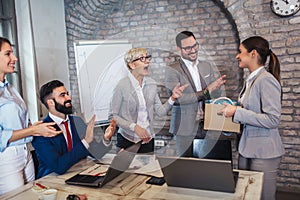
x,y
43,48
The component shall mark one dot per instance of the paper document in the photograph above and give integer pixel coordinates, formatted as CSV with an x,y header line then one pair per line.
x,y
96,170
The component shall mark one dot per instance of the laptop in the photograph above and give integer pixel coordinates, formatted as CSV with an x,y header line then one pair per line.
x,y
205,174
100,174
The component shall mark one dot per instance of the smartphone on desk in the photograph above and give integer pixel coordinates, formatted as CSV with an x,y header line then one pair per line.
x,y
156,180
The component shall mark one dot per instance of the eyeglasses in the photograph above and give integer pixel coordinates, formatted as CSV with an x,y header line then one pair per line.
x,y
189,48
143,58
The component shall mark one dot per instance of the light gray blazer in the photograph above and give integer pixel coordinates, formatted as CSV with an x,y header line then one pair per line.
x,y
125,105
184,111
260,113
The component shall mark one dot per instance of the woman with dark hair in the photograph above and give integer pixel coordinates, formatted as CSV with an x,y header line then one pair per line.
x,y
16,164
260,146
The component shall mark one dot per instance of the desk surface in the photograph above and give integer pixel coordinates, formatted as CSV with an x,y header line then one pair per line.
x,y
133,186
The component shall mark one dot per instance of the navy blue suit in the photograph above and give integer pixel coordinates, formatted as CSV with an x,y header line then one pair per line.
x,y
52,152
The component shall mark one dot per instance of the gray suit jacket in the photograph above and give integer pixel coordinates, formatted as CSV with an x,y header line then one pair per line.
x,y
125,104
260,114
184,111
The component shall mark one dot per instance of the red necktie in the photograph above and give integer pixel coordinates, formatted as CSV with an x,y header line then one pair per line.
x,y
69,138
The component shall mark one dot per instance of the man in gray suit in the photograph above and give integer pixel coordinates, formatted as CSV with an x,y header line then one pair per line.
x,y
187,112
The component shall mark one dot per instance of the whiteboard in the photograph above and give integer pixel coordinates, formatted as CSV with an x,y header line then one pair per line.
x,y
99,65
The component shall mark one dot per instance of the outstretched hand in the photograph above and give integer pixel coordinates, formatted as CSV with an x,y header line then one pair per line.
x,y
45,129
177,91
216,84
110,131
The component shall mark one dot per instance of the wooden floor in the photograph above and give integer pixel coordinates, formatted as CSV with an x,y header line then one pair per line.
x,y
282,195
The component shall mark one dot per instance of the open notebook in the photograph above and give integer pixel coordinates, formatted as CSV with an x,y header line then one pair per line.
x,y
206,174
98,175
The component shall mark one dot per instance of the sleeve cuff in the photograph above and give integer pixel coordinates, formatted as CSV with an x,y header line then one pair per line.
x,y
85,144
171,102
206,94
5,137
106,142
132,126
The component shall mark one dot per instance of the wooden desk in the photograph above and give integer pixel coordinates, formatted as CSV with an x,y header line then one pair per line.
x,y
133,186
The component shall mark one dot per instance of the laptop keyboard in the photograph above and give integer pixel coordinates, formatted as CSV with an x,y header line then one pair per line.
x,y
86,178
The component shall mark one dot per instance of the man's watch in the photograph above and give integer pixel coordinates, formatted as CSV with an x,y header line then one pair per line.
x,y
106,141
206,94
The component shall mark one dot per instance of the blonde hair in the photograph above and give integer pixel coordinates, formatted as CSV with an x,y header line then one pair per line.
x,y
133,54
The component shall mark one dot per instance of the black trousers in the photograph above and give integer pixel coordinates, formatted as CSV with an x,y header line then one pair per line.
x,y
124,143
184,143
204,146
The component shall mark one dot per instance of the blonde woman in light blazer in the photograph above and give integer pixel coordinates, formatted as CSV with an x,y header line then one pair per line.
x,y
135,101
260,146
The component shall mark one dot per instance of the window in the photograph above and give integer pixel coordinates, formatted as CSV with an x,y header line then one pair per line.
x,y
8,30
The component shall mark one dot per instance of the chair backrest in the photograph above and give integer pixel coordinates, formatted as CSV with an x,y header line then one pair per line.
x,y
212,149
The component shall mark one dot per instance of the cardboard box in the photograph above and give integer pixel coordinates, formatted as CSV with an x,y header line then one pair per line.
x,y
213,121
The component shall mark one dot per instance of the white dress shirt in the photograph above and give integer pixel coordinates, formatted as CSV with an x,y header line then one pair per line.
x,y
59,121
193,69
248,81
143,118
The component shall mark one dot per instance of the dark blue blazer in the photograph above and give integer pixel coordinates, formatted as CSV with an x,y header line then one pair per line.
x,y
52,152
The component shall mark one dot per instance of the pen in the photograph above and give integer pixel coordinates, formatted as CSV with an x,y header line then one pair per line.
x,y
40,185
100,174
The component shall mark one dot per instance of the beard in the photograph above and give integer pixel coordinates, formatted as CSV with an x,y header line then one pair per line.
x,y
62,107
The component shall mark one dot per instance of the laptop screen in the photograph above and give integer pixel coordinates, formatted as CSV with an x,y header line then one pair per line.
x,y
207,174
98,175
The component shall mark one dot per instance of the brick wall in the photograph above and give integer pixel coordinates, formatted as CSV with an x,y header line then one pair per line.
x,y
218,26
255,17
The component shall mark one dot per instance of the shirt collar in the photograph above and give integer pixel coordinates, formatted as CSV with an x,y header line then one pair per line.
x,y
4,84
135,82
254,73
58,120
189,63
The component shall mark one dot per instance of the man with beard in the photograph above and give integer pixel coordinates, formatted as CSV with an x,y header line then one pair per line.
x,y
59,153
187,112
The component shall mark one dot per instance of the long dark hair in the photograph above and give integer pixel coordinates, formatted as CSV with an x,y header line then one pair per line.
x,y
261,45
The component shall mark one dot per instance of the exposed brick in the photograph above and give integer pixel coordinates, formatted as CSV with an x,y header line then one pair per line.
x,y
103,19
